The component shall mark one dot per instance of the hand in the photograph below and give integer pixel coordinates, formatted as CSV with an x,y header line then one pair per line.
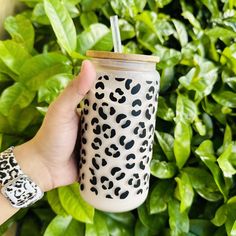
x,y
49,158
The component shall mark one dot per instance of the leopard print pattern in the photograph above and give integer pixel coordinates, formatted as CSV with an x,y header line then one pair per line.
x,y
18,188
9,168
117,130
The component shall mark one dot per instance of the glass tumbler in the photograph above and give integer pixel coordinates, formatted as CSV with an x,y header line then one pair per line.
x,y
117,131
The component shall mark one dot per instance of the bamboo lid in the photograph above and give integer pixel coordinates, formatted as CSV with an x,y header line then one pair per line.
x,y
122,56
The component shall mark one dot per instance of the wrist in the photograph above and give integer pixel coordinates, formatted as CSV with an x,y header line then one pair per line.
x,y
30,163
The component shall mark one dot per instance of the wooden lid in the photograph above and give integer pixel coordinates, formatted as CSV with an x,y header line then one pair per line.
x,y
122,56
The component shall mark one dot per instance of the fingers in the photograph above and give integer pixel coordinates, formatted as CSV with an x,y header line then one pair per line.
x,y
77,88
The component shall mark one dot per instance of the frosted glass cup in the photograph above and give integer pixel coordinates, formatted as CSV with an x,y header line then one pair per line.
x,y
117,130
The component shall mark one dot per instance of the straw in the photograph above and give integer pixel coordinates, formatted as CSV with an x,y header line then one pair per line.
x,y
115,34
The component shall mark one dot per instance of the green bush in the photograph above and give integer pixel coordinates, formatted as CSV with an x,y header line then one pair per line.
x,y
192,188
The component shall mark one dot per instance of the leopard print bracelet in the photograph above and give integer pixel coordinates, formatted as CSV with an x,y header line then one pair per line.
x,y
17,187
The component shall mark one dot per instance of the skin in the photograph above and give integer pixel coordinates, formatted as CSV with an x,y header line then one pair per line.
x,y
49,157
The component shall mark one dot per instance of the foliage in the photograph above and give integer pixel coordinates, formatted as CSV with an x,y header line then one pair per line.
x,y
192,189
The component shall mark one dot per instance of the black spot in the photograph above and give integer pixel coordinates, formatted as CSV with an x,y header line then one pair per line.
x,y
104,162
137,102
86,102
94,121
106,77
114,147
140,191
99,95
97,130
122,100
101,113
112,111
130,166
135,113
114,170
96,143
137,183
110,185
129,145
92,171
120,117
109,196
84,141
119,91
95,164
127,83
99,85
86,111
93,181
122,175
94,190
136,175
114,99
116,191
104,178
130,156
82,187
135,89
122,139
130,181
119,79
124,195
94,106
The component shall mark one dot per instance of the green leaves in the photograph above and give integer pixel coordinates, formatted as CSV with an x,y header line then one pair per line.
x,y
21,30
64,225
97,36
62,24
74,204
182,143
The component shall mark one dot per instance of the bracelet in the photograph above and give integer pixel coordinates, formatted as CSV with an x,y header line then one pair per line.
x,y
17,187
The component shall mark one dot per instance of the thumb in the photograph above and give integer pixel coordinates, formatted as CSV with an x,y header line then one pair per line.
x,y
77,88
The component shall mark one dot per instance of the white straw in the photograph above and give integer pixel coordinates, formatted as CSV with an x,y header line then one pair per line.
x,y
115,34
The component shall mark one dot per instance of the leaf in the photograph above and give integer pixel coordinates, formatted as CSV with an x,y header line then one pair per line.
x,y
128,9
168,57
153,222
162,169
193,21
99,227
212,7
225,98
41,67
206,153
160,195
206,189
228,57
21,30
186,109
141,230
13,55
88,18
64,225
17,94
224,160
179,221
167,78
126,30
52,87
20,118
62,24
200,78
54,202
202,227
89,5
166,142
220,215
92,36
182,143
74,204
185,191
39,14
164,111
220,32
181,35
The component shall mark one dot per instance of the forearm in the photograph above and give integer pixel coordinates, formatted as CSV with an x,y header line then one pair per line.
x,y
26,156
